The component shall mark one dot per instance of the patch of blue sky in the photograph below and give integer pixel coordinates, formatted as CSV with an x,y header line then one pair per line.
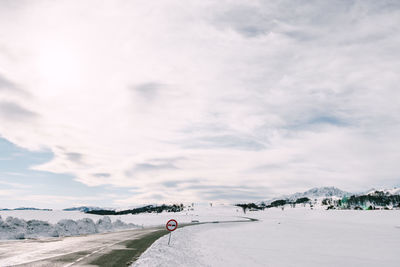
x,y
225,141
327,120
317,121
16,173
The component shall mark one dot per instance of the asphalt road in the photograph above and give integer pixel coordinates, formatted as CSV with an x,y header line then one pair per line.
x,y
107,249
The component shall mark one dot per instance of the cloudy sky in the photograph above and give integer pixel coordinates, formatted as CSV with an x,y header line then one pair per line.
x,y
118,103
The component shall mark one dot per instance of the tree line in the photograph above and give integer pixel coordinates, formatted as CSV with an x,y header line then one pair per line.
x,y
145,209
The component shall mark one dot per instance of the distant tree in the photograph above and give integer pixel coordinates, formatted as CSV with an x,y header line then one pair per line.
x,y
326,201
278,203
244,209
302,200
247,206
145,209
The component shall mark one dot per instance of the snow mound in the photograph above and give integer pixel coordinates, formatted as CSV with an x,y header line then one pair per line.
x,y
15,228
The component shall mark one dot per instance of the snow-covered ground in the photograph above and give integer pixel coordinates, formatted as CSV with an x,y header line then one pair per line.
x,y
18,224
293,237
200,212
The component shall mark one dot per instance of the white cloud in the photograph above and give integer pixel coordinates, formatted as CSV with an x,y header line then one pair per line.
x,y
278,95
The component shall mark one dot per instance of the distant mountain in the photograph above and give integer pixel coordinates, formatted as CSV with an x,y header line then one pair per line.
x,y
83,209
23,208
318,192
333,198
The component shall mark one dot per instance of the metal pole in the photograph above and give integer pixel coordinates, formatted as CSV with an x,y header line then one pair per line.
x,y
169,237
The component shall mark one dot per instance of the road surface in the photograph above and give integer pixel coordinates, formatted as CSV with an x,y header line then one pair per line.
x,y
106,249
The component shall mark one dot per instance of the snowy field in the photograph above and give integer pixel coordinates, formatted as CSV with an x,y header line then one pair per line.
x,y
293,237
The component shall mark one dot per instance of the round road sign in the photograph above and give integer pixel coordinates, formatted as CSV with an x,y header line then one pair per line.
x,y
171,225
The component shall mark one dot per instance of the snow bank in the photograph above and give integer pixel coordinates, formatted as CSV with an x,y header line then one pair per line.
x,y
200,212
15,228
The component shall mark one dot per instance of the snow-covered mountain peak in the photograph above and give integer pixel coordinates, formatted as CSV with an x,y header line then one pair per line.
x,y
318,192
328,191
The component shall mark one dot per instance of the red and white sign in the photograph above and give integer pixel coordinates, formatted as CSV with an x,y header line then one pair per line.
x,y
172,225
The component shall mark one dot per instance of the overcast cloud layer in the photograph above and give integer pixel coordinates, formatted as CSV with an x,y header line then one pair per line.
x,y
205,100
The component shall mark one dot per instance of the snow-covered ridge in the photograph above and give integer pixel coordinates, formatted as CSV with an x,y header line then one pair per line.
x,y
334,192
334,198
84,209
15,228
24,208
316,193
392,191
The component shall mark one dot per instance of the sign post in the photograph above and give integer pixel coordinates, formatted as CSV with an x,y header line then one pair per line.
x,y
171,226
